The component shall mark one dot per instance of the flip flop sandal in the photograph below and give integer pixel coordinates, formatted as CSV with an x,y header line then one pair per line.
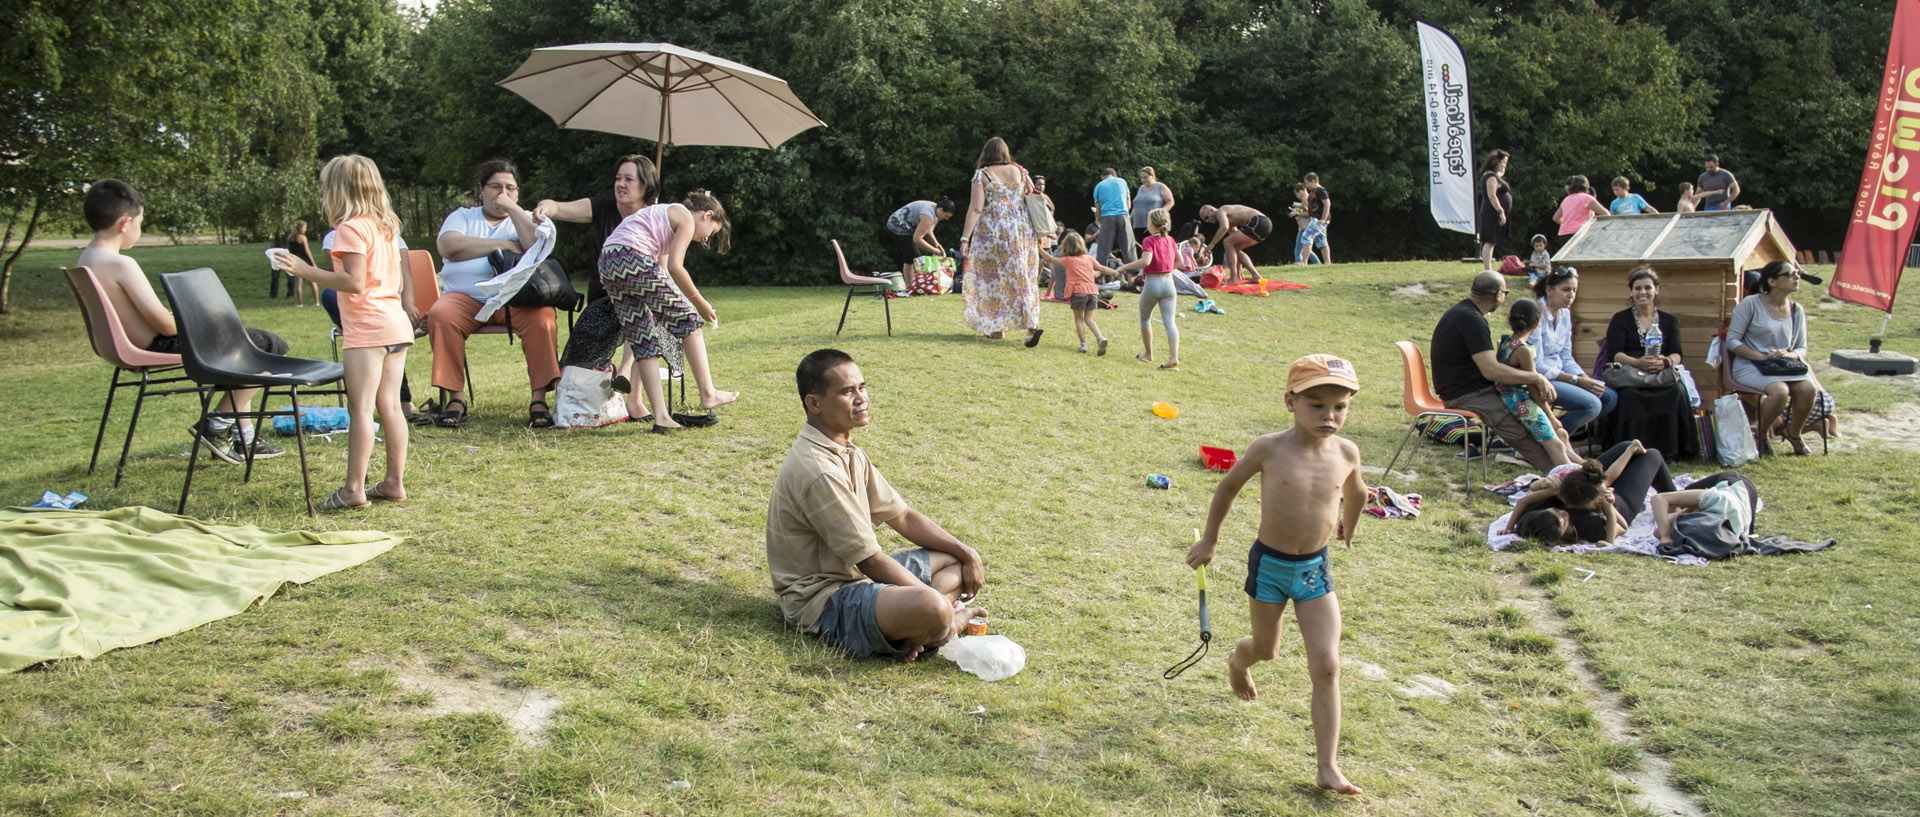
x,y
374,494
1143,358
538,415
424,416
449,417
695,420
1170,366
333,502
1033,338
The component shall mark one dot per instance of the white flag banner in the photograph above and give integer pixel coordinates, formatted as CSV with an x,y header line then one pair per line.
x,y
1449,130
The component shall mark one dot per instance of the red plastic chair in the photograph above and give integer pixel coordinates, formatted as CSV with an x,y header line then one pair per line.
x,y
861,284
1417,398
110,342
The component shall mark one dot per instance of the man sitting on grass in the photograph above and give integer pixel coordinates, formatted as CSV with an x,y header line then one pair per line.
x,y
832,578
115,211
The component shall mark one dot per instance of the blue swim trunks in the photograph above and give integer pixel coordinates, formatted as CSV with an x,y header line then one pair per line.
x,y
1275,577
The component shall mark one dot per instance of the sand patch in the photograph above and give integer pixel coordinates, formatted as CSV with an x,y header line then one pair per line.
x,y
527,711
1412,291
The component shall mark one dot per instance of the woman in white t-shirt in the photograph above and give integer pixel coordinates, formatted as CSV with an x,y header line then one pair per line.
x,y
465,239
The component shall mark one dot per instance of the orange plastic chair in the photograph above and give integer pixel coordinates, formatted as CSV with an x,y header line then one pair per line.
x,y
1417,398
861,284
110,342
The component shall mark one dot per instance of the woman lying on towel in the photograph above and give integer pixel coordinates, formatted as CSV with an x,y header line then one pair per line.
x,y
1551,520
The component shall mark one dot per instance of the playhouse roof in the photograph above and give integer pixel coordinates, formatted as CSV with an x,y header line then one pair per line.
x,y
1729,235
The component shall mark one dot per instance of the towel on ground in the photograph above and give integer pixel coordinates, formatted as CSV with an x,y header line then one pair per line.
x,y
80,583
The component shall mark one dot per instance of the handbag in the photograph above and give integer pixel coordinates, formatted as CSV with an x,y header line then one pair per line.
x,y
1038,213
548,285
1622,376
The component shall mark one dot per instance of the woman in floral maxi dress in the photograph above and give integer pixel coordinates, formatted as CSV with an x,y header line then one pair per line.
x,y
1003,254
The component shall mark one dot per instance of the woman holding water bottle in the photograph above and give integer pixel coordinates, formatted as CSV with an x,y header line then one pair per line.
x,y
1645,338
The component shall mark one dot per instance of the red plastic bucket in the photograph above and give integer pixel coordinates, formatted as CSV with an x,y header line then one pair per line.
x,y
1217,459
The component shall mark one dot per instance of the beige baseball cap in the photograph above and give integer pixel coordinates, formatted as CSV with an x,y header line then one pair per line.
x,y
1321,370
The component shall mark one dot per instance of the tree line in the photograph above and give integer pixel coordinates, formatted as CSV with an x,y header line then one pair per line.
x,y
221,109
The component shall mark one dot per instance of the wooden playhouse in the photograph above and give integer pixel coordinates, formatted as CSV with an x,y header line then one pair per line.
x,y
1700,258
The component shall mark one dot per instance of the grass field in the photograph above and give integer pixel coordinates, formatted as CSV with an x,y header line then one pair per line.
x,y
619,580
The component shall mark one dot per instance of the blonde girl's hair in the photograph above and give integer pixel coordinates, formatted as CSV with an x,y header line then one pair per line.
x,y
1160,221
700,200
1149,171
350,187
1072,244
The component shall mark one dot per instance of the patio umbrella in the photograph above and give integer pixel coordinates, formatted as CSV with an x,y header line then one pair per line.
x,y
661,92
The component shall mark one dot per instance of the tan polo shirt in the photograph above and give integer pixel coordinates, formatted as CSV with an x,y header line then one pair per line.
x,y
820,521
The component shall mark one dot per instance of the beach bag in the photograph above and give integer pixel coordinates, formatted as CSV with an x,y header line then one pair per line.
x,y
1512,265
929,283
937,270
1211,278
1622,376
313,420
585,399
1733,442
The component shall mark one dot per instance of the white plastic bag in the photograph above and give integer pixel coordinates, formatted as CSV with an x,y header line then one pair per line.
x,y
992,657
1714,352
585,399
1730,431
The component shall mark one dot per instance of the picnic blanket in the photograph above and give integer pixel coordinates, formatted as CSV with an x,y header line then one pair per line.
x,y
1641,537
1254,289
80,583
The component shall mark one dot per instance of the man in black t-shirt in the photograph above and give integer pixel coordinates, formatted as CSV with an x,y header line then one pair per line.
x,y
1465,369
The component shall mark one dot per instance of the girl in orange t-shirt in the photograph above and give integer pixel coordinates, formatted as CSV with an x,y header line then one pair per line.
x,y
373,320
1082,293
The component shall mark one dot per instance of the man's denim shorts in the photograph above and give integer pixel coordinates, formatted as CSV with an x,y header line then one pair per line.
x,y
849,622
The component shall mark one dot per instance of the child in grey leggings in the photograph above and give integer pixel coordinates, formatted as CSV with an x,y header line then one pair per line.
x,y
1158,255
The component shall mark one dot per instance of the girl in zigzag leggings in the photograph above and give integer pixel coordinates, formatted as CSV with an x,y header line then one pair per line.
x,y
644,299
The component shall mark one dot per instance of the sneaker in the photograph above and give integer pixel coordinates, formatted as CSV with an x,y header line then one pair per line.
x,y
262,450
218,443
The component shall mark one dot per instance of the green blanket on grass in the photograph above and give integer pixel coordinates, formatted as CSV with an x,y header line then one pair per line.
x,y
80,583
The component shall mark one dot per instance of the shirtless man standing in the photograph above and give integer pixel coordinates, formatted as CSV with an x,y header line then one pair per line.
x,y
1240,227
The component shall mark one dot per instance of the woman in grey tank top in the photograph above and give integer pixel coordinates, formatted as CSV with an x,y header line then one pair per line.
x,y
1153,195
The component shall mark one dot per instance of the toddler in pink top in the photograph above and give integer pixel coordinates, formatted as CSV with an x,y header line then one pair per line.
x,y
1082,293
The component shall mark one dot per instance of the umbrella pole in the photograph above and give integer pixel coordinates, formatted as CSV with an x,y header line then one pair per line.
x,y
660,144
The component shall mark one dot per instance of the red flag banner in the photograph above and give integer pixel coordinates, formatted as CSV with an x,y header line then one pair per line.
x,y
1884,215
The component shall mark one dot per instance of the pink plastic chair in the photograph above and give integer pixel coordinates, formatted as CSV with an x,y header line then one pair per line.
x,y
110,342
861,284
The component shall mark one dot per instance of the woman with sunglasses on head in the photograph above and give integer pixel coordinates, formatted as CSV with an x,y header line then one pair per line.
x,y
1767,337
1584,398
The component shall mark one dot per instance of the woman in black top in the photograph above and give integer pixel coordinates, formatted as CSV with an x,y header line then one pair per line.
x,y
1660,418
595,335
1493,215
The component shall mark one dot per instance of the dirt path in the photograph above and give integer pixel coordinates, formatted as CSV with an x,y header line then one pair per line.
x,y
1652,787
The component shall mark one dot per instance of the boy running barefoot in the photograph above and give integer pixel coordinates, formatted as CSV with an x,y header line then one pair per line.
x,y
1306,473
